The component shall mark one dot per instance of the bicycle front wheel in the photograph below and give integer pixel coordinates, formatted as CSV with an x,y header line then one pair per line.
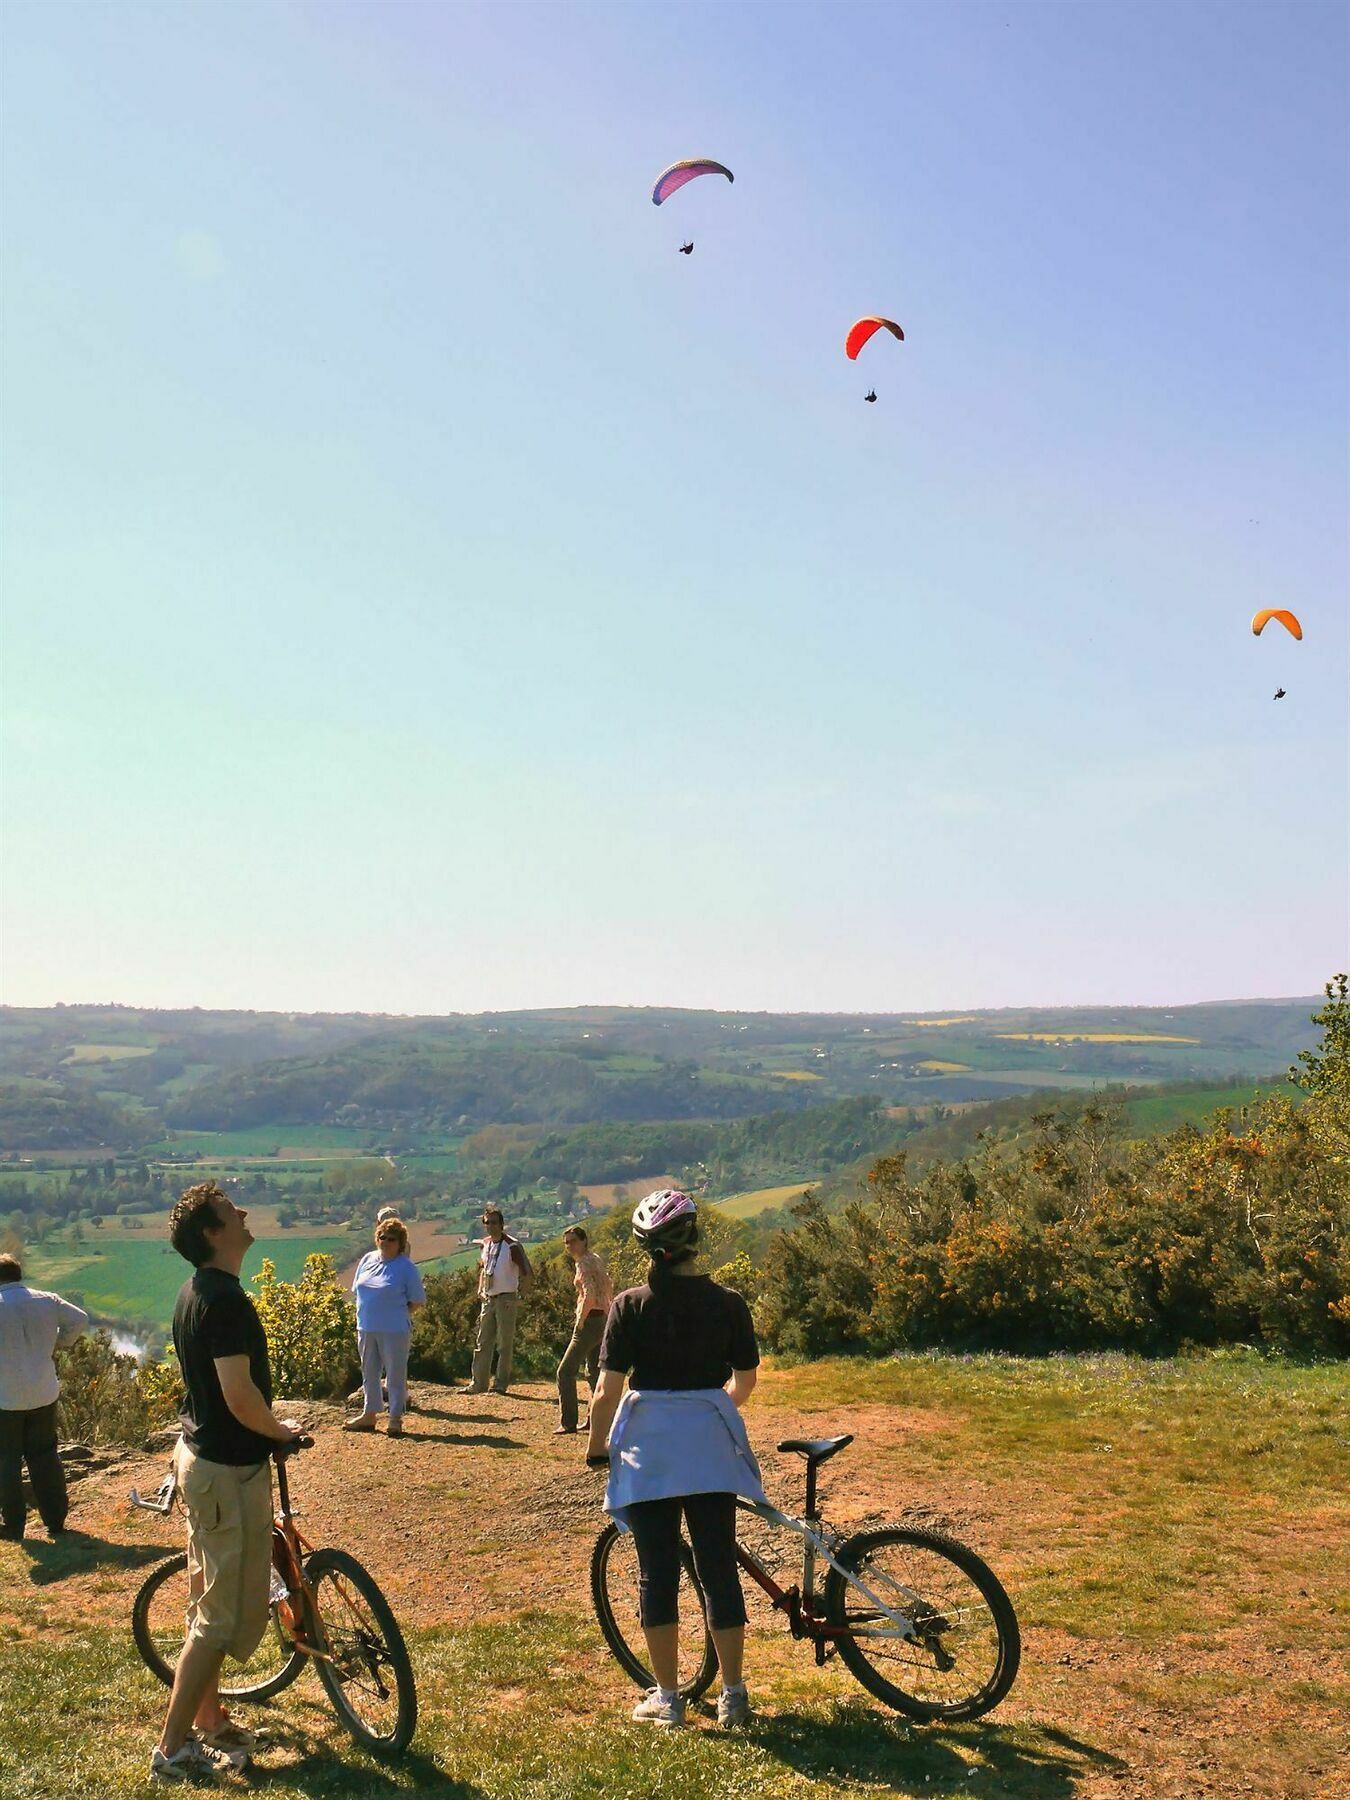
x,y
963,1656
364,1663
159,1624
614,1590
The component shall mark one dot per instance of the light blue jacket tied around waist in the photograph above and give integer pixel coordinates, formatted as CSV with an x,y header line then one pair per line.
x,y
690,1441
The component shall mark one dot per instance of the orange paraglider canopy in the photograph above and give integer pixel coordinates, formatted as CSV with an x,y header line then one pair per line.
x,y
864,329
1286,619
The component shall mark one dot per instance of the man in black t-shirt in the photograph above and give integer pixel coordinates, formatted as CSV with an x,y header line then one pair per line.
x,y
224,1476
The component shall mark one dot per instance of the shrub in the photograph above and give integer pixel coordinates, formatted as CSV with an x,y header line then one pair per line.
x,y
161,1385
101,1397
311,1330
817,1285
1238,1233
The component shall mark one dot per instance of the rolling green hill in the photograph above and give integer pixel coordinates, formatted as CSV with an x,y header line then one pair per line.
x,y
80,1078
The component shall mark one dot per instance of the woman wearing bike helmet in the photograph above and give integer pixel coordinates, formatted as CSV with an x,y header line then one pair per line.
x,y
677,1446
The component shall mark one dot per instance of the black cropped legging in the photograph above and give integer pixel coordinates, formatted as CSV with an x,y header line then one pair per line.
x,y
711,1519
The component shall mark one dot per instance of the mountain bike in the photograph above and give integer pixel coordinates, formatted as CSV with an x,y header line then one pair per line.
x,y
921,1621
325,1608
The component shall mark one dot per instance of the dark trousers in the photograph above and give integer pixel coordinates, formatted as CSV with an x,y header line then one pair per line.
x,y
583,1349
31,1437
711,1519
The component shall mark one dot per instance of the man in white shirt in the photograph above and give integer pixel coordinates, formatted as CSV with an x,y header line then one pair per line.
x,y
504,1273
32,1324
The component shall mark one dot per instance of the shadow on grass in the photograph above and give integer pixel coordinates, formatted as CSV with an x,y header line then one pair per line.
x,y
450,1418
76,1552
318,1770
478,1441
1023,1763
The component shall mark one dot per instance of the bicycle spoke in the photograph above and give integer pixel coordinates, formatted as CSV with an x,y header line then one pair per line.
x,y
622,1583
164,1625
956,1643
361,1660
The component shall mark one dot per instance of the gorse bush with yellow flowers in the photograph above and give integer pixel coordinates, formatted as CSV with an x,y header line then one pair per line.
x,y
311,1330
1080,1239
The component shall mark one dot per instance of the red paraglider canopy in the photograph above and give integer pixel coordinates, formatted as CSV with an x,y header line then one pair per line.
x,y
865,328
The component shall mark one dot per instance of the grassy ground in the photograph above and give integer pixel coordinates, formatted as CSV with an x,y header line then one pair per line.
x,y
1170,1533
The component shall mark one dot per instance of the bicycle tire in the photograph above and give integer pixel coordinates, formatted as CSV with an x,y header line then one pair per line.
x,y
863,1548
612,1609
363,1654
148,1638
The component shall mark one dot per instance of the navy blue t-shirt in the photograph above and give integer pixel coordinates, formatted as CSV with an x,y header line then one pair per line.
x,y
691,1334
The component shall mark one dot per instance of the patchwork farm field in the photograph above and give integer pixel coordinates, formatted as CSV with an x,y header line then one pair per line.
x,y
1148,1115
134,1278
267,1141
745,1206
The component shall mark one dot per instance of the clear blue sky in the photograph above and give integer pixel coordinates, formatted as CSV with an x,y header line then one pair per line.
x,y
426,591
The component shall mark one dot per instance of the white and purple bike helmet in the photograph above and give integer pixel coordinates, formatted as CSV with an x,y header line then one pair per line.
x,y
666,1222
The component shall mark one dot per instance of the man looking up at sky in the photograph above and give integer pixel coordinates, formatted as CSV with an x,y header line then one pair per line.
x,y
224,1477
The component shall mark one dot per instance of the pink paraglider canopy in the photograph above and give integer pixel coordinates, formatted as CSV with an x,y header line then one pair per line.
x,y
675,177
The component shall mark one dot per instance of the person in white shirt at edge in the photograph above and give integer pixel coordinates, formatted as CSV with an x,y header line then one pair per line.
x,y
676,1445
504,1274
32,1324
388,1292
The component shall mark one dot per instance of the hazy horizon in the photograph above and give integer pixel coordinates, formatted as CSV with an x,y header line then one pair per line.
x,y
658,1006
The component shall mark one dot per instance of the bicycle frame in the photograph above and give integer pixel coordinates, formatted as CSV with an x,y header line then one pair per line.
x,y
289,1548
799,1603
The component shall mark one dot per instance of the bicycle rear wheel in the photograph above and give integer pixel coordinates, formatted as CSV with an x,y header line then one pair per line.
x,y
964,1655
159,1623
365,1670
614,1590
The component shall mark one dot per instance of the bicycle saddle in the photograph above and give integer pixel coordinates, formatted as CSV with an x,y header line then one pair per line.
x,y
817,1449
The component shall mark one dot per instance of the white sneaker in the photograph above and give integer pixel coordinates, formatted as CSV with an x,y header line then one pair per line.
x,y
656,1711
733,1708
192,1762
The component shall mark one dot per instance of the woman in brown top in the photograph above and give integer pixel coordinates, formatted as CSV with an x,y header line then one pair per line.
x,y
595,1296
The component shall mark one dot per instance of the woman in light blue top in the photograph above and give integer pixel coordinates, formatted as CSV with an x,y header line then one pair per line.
x,y
388,1292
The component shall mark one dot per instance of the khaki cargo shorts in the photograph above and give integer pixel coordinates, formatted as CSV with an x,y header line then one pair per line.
x,y
229,1514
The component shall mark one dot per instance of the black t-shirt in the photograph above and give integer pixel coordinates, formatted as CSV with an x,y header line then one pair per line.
x,y
215,1317
691,1334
